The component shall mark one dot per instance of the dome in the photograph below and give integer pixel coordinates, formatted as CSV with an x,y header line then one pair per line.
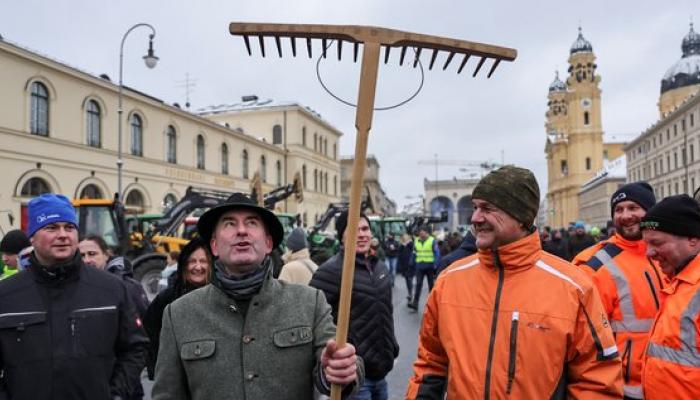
x,y
557,85
686,71
581,45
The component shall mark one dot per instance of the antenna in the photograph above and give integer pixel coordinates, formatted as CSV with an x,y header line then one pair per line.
x,y
189,85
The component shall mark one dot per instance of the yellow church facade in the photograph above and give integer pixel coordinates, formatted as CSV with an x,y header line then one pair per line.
x,y
575,149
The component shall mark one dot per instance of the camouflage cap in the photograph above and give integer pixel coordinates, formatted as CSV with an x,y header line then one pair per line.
x,y
513,190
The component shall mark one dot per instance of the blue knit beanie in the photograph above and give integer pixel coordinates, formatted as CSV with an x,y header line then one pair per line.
x,y
49,209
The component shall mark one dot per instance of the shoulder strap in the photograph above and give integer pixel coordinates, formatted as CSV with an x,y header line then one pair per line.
x,y
610,249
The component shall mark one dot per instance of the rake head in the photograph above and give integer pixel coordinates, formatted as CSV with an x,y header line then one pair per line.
x,y
387,38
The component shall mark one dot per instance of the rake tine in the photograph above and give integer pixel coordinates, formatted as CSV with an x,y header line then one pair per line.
x,y
294,45
356,48
308,46
493,67
323,44
432,59
464,62
247,44
478,67
279,46
403,53
262,44
447,62
386,54
415,61
340,49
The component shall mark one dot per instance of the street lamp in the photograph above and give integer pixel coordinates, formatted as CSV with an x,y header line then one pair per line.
x,y
151,60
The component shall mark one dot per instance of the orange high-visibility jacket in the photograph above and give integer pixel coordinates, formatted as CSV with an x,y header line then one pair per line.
x,y
520,323
628,284
671,367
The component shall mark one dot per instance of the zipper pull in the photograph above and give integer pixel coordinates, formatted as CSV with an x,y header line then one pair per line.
x,y
233,308
516,316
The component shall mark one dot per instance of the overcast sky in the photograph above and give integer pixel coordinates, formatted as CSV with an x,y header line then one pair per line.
x,y
455,116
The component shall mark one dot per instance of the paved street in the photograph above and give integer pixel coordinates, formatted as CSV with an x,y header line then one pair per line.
x,y
407,325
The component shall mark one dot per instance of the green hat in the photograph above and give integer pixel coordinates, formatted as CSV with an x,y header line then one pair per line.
x,y
513,190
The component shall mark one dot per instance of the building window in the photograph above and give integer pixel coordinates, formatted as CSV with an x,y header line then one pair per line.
x,y
39,118
588,163
675,130
325,182
692,120
662,190
303,176
278,167
675,160
692,183
91,191
224,158
564,168
675,186
315,142
303,136
683,124
136,135
35,187
263,169
315,180
586,118
692,153
244,164
335,185
171,151
277,134
135,202
168,202
200,152
668,135
305,219
605,154
668,164
335,152
94,136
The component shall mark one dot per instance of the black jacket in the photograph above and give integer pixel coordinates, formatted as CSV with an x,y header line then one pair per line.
x,y
68,332
466,248
371,313
558,247
391,248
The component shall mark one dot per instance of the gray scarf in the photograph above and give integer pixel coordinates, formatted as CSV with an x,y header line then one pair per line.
x,y
240,287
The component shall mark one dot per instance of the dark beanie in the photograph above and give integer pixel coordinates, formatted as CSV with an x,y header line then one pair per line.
x,y
14,242
342,222
513,190
297,240
638,192
678,215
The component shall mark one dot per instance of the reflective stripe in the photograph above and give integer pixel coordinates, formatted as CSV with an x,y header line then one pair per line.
x,y
15,314
688,354
461,267
424,250
610,350
96,309
633,392
629,322
555,272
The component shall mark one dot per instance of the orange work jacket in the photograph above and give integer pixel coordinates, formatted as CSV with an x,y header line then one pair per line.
x,y
520,324
672,361
628,284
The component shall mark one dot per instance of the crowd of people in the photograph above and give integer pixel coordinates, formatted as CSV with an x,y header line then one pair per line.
x,y
512,310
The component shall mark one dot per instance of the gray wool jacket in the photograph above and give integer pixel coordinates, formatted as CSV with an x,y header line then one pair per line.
x,y
209,350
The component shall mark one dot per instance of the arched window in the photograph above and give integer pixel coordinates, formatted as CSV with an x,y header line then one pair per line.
x,y
91,191
35,187
136,135
278,167
94,136
171,151
200,152
135,201
277,134
263,169
168,201
303,175
224,158
586,118
244,166
303,136
39,117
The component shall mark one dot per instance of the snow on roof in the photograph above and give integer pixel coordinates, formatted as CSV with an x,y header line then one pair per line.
x,y
252,104
619,137
614,169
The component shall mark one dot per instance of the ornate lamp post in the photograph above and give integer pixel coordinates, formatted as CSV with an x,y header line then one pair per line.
x,y
151,60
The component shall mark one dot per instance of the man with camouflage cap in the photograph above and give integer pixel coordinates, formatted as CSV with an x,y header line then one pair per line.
x,y
512,320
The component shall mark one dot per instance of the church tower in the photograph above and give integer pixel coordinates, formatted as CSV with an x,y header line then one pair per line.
x,y
574,145
682,80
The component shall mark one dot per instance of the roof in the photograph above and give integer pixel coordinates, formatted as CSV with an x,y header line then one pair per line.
x,y
619,137
615,169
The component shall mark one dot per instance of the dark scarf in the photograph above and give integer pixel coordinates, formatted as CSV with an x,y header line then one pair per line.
x,y
240,288
57,273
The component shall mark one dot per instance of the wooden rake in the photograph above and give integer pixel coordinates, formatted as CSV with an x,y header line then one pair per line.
x,y
372,39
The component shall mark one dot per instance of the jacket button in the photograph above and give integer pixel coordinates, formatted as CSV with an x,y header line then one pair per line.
x,y
247,339
250,376
197,351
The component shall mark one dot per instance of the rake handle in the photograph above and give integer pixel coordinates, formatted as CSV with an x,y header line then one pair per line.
x,y
363,123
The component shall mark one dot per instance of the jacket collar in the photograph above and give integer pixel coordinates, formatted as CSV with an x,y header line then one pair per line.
x,y
57,273
690,273
638,247
297,255
519,255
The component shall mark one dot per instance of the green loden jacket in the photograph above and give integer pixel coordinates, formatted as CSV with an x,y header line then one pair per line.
x,y
209,350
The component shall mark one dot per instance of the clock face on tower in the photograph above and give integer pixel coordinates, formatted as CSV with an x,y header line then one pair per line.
x,y
586,103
